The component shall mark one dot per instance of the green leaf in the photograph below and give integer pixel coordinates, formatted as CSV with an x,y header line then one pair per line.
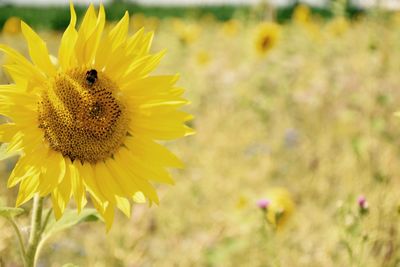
x,y
69,219
9,212
70,265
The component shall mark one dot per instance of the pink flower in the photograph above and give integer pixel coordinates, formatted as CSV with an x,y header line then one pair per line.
x,y
362,204
263,203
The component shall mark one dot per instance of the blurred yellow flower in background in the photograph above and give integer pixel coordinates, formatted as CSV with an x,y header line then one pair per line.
x,y
188,33
338,26
89,122
302,17
12,26
267,35
152,23
203,58
231,27
301,14
139,21
242,202
280,207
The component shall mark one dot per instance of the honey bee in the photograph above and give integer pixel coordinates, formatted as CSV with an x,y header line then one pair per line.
x,y
91,77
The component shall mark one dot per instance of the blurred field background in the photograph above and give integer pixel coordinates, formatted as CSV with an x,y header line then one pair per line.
x,y
315,116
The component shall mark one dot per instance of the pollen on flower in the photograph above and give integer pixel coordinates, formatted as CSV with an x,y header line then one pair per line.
x,y
82,116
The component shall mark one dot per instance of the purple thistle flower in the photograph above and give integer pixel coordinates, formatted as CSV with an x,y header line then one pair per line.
x,y
362,204
263,203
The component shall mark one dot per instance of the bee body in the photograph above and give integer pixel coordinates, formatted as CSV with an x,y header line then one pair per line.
x,y
91,77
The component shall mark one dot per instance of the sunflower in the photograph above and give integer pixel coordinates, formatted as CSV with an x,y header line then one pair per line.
x,y
266,37
338,26
231,28
86,124
203,58
302,14
280,207
188,33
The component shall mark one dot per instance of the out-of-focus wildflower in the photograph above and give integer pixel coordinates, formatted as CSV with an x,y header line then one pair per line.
x,y
363,205
267,35
291,138
203,58
301,14
187,32
231,27
263,203
12,26
88,125
152,23
338,26
302,17
242,202
139,21
280,207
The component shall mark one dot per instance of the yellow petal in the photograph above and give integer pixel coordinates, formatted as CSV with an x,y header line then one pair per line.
x,y
106,182
53,172
106,211
86,171
150,86
38,50
58,204
27,189
138,197
141,68
66,52
24,68
62,194
78,188
151,171
161,126
127,184
138,177
149,150
7,132
89,35
108,216
28,165
119,32
124,205
112,49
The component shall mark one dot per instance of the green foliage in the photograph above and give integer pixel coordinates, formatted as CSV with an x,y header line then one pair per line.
x,y
70,219
57,18
9,212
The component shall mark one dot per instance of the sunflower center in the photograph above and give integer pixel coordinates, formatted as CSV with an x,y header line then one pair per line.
x,y
82,116
266,42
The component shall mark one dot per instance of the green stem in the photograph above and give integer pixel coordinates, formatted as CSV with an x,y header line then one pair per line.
x,y
43,238
20,239
46,220
36,231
